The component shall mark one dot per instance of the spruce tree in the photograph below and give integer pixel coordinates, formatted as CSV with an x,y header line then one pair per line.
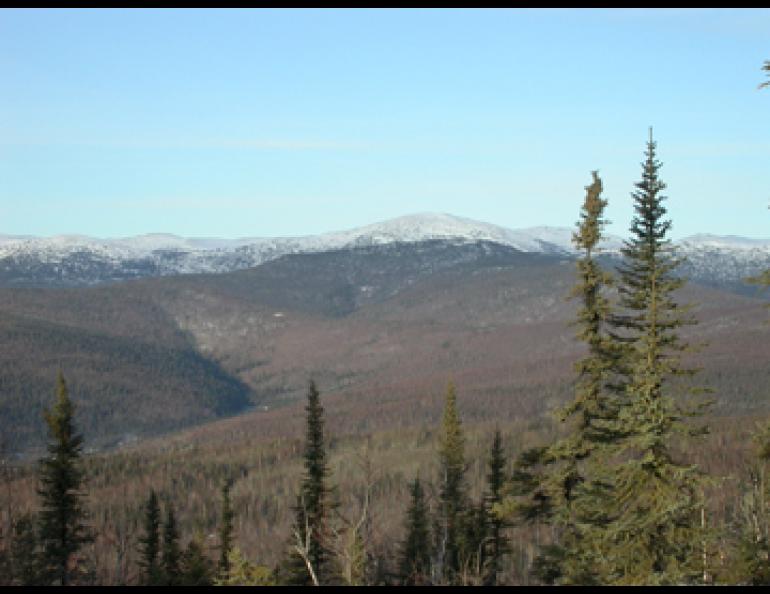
x,y
149,544
61,519
595,405
314,489
245,573
565,484
582,483
655,534
496,546
414,563
452,493
171,555
24,562
473,543
195,568
311,510
225,532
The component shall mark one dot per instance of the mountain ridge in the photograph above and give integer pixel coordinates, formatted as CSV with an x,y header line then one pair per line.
x,y
78,260
420,225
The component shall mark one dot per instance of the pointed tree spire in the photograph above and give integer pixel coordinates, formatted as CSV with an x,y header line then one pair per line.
x,y
564,484
314,489
656,535
414,563
171,553
62,518
452,493
308,558
225,532
496,546
149,544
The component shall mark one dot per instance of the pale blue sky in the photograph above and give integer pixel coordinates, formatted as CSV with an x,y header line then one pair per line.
x,y
259,123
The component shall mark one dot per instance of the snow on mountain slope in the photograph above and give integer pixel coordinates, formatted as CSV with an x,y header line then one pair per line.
x,y
419,227
78,260
724,260
726,242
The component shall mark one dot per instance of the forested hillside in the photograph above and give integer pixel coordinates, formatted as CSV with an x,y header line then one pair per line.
x,y
152,355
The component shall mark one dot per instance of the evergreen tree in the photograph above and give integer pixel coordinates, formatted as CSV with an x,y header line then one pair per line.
x,y
533,497
527,499
195,568
655,535
314,489
311,510
565,484
171,555
474,532
414,563
582,485
24,559
62,528
149,544
225,532
292,569
452,494
245,573
497,544
595,405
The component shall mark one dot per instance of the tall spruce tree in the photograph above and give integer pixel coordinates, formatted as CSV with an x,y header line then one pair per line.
x,y
314,489
225,532
581,483
595,405
566,483
171,555
312,508
656,535
414,562
452,495
149,544
62,517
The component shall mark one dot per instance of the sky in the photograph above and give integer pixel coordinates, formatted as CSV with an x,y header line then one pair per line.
x,y
246,123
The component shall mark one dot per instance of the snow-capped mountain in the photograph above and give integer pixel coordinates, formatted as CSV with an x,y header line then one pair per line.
x,y
724,260
75,260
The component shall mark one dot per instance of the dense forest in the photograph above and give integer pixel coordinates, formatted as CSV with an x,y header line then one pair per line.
x,y
632,480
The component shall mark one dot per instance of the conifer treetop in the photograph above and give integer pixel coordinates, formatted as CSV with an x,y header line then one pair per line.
x,y
452,442
62,517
